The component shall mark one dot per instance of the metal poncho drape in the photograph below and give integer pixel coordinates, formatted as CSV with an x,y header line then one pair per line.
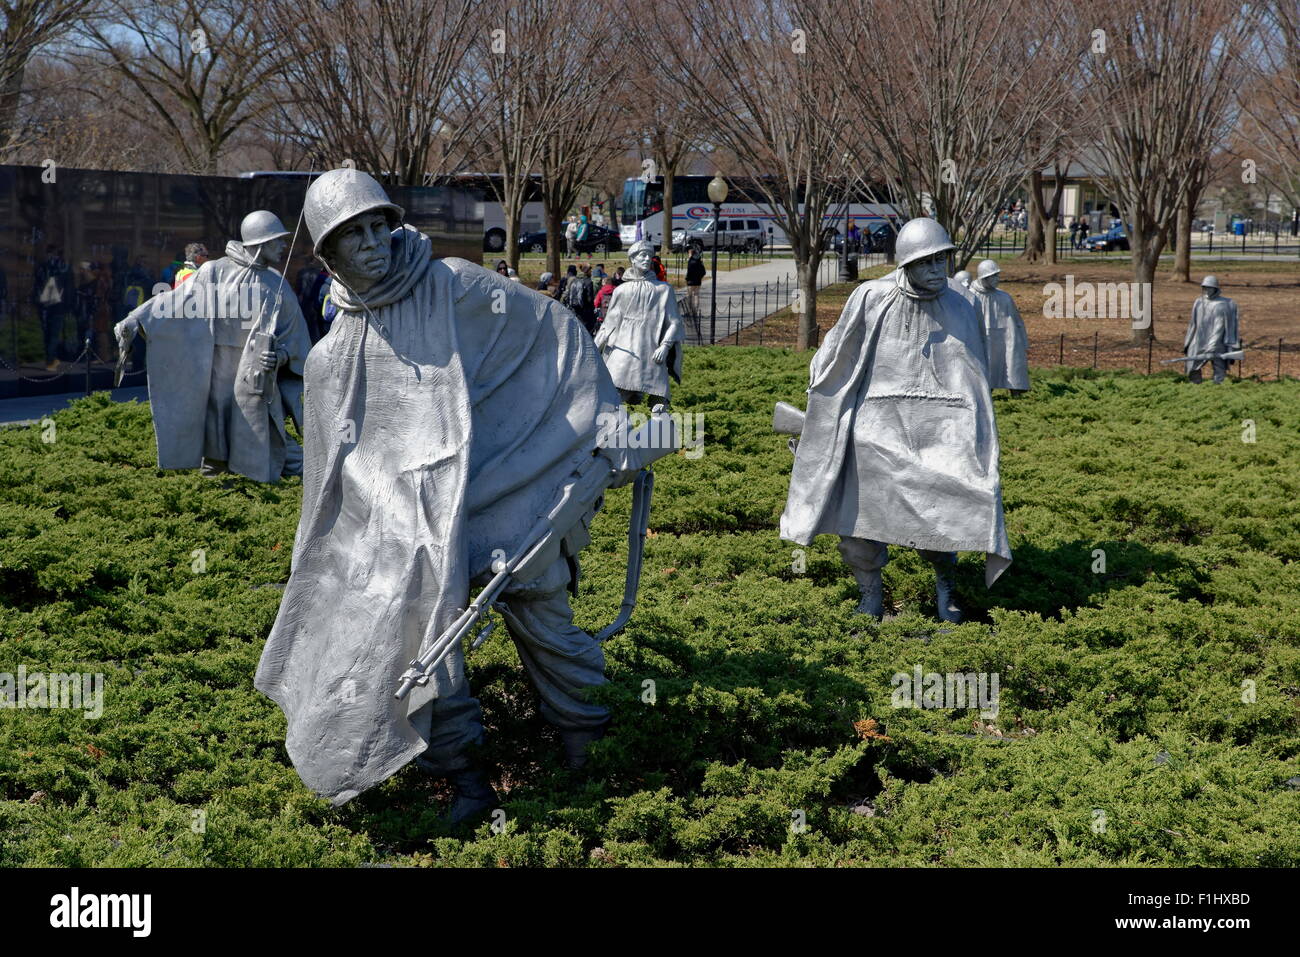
x,y
1212,328
642,316
221,308
441,422
900,444
1005,340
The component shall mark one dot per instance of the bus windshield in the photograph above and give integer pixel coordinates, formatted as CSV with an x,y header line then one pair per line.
x,y
641,199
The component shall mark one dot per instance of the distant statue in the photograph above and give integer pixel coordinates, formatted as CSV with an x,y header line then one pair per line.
x,y
641,336
899,444
460,433
1212,333
226,353
1005,339
962,277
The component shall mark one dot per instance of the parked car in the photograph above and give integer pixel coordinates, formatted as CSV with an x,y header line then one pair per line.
x,y
732,234
875,240
599,240
1113,238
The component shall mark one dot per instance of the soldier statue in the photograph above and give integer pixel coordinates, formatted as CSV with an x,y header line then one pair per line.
x,y
226,355
1005,340
1212,333
641,336
899,444
451,434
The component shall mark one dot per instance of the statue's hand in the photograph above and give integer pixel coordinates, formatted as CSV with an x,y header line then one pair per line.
x,y
270,360
124,332
661,354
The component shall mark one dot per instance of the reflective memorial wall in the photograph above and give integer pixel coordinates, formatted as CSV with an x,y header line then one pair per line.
x,y
79,252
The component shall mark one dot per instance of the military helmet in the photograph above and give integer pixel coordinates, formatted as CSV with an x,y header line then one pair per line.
x,y
919,238
962,276
1210,281
337,196
261,226
987,268
641,245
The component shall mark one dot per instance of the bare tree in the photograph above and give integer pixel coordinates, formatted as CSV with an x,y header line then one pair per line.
x,y
764,100
28,26
196,68
586,136
516,66
1161,78
666,132
57,120
1270,129
967,99
372,83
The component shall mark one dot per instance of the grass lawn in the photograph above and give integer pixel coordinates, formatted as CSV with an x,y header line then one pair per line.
x,y
1145,640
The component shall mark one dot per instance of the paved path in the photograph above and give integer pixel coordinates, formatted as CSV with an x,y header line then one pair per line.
x,y
749,294
31,409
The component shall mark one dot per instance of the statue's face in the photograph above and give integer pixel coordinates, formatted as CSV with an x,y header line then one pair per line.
x,y
1210,292
361,249
929,274
641,259
990,281
271,252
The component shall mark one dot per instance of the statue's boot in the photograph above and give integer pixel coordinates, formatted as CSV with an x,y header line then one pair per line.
x,y
473,796
575,744
945,582
873,593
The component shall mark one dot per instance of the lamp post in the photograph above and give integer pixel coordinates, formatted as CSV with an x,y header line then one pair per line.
x,y
717,196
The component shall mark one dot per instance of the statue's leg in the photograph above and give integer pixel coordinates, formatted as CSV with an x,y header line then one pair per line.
x,y
211,468
456,726
865,559
562,660
1220,367
292,457
1195,374
945,578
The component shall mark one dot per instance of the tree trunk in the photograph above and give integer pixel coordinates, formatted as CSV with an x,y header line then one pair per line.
x,y
1146,259
1183,238
1034,243
806,272
668,212
554,236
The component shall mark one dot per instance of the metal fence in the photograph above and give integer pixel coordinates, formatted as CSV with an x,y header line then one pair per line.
x,y
1261,243
742,312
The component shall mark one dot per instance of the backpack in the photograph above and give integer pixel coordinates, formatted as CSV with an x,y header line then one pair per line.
x,y
577,294
51,295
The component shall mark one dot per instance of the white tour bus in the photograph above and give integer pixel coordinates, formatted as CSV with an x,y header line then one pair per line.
x,y
641,213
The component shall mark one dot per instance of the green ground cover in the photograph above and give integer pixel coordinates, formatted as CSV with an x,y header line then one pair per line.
x,y
1126,734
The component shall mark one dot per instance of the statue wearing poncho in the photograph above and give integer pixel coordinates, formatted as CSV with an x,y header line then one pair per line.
x,y
1005,341
213,401
444,412
1212,331
641,336
899,443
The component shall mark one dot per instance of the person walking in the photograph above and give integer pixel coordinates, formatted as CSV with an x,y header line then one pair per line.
x,y
695,273
571,236
583,233
581,298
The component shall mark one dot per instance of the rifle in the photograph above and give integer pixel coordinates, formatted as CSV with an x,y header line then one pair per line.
x,y
1226,356
787,420
541,546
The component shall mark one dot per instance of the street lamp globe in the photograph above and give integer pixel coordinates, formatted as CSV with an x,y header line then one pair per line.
x,y
718,190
